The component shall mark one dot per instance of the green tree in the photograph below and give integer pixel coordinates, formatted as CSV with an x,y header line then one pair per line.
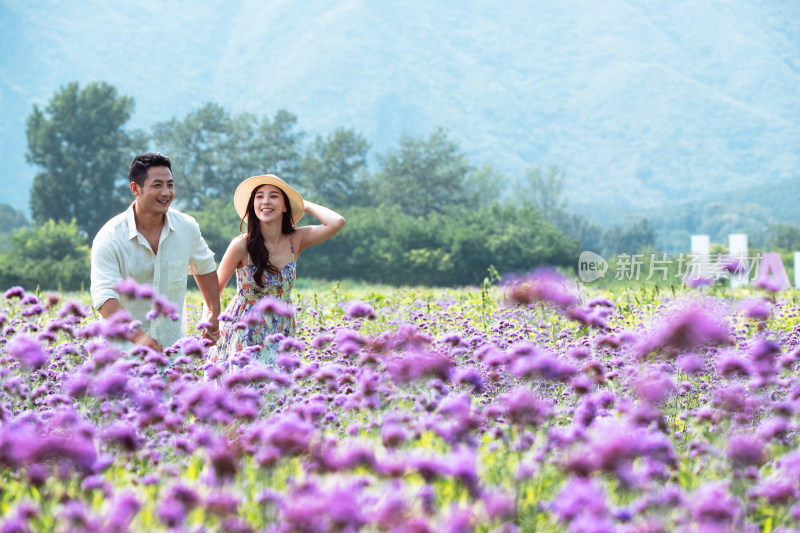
x,y
718,220
575,226
512,239
333,171
455,247
543,190
783,237
53,255
213,151
423,175
219,223
11,219
83,152
630,239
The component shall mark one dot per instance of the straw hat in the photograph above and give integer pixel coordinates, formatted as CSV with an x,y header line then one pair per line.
x,y
246,188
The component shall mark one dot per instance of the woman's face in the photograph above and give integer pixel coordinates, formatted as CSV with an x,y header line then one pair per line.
x,y
268,203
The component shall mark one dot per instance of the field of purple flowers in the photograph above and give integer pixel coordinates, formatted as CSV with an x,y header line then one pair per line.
x,y
532,406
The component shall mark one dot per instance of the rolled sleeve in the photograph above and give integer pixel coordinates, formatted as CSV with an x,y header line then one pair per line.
x,y
201,258
105,272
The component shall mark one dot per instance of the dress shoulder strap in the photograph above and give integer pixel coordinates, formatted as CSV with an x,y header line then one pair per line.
x,y
291,246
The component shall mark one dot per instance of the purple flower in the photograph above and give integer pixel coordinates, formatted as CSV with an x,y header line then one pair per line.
x,y
290,344
690,327
221,504
746,450
192,347
116,327
356,454
453,339
27,351
763,354
226,317
547,286
690,363
734,398
321,341
14,292
150,479
203,324
523,408
72,447
290,434
713,507
270,305
392,509
77,385
413,366
593,317
163,307
470,376
36,309
579,496
360,310
122,435
731,365
614,443
171,512
536,363
29,299
458,520
653,386
463,468
698,281
499,505
776,489
110,383
288,362
78,516
757,308
768,283
429,467
733,264
393,434
123,509
308,508
224,461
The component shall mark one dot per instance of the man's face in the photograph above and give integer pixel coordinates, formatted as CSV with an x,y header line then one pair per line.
x,y
157,192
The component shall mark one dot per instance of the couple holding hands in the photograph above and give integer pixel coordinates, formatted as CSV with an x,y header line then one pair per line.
x,y
156,245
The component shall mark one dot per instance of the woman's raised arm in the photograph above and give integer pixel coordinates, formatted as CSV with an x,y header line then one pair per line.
x,y
331,221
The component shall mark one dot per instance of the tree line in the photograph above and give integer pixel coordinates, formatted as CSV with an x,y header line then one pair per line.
x,y
425,215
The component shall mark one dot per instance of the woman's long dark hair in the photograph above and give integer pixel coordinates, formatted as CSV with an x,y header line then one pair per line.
x,y
259,254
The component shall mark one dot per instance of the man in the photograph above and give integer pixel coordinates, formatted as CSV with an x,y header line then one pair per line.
x,y
157,246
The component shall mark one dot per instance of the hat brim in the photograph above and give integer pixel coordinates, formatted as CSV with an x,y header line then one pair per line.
x,y
246,188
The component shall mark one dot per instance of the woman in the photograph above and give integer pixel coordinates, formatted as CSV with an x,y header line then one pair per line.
x,y
265,263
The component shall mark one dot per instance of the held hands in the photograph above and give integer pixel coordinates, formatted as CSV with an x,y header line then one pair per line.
x,y
211,331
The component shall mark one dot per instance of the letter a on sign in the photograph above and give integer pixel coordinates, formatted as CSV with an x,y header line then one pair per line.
x,y
771,273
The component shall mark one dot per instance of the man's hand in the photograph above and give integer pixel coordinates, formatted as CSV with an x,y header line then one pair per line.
x,y
209,288
141,339
211,332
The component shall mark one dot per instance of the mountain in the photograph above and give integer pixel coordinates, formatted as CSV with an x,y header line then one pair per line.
x,y
645,103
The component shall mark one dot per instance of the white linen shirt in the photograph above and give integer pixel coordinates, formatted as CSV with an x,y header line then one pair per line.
x,y
120,251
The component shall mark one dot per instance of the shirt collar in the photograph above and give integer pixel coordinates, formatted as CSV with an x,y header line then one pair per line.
x,y
130,220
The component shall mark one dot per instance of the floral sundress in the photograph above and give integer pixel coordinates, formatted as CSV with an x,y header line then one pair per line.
x,y
234,338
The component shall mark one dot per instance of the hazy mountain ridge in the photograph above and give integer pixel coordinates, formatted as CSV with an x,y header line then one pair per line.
x,y
643,104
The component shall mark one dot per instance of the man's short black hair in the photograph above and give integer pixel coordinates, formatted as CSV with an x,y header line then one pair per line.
x,y
137,171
